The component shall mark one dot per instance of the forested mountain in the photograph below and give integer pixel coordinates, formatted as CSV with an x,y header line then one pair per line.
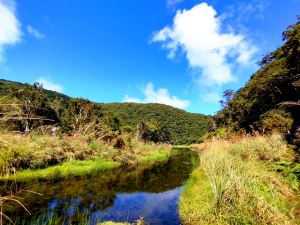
x,y
260,104
154,122
184,127
6,87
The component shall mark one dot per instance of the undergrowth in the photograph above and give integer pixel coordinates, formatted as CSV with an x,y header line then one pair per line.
x,y
50,157
237,183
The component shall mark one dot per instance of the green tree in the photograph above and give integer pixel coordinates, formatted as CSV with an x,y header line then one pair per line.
x,y
28,107
79,113
276,81
153,131
275,120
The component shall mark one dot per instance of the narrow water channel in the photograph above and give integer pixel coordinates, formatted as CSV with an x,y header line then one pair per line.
x,y
150,191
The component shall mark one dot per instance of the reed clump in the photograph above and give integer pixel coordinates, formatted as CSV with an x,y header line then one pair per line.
x,y
55,156
236,183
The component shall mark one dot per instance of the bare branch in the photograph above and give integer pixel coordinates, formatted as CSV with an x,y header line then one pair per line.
x,y
22,118
11,94
19,114
31,192
24,105
15,200
288,104
1,213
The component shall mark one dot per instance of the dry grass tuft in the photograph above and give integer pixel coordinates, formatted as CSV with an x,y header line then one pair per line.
x,y
32,152
234,184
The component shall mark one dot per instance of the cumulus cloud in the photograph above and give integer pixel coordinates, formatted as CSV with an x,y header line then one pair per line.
x,y
35,33
10,32
50,85
161,96
211,52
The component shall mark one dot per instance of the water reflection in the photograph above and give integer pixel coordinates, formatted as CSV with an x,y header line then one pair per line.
x,y
125,194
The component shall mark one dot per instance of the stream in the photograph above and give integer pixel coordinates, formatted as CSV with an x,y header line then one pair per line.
x,y
150,191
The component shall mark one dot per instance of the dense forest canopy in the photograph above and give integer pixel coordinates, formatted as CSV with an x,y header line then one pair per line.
x,y
183,127
277,81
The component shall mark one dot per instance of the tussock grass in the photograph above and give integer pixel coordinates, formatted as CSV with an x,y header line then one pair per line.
x,y
52,157
235,184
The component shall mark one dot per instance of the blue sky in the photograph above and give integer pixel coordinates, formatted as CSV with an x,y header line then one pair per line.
x,y
183,53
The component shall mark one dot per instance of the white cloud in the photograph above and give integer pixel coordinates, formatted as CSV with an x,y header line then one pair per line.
x,y
211,53
161,96
171,3
35,33
10,32
253,8
49,85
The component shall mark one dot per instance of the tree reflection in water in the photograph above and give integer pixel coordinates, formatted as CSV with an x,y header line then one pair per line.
x,y
150,190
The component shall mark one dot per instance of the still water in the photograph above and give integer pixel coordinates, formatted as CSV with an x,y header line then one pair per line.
x,y
125,194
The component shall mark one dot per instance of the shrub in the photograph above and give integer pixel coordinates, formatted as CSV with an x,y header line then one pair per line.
x,y
127,129
129,141
119,142
153,131
274,121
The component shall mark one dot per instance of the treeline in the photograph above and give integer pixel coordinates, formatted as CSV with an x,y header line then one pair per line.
x,y
182,127
7,86
264,104
27,107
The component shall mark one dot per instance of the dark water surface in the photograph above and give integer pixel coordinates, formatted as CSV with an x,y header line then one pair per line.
x,y
125,194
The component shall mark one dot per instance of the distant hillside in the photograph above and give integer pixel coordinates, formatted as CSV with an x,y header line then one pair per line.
x,y
6,86
184,127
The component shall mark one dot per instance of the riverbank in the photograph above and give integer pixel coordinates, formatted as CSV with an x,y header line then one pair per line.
x,y
47,157
244,180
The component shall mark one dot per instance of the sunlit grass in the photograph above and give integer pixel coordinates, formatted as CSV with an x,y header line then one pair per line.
x,y
155,156
51,157
66,170
235,184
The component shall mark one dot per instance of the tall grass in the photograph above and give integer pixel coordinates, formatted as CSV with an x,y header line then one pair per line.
x,y
235,184
51,157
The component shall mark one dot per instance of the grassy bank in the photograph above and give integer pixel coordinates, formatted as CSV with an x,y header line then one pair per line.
x,y
66,170
52,157
238,182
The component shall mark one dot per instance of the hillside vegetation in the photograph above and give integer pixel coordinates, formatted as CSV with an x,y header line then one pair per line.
x,y
264,103
6,87
183,127
152,122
